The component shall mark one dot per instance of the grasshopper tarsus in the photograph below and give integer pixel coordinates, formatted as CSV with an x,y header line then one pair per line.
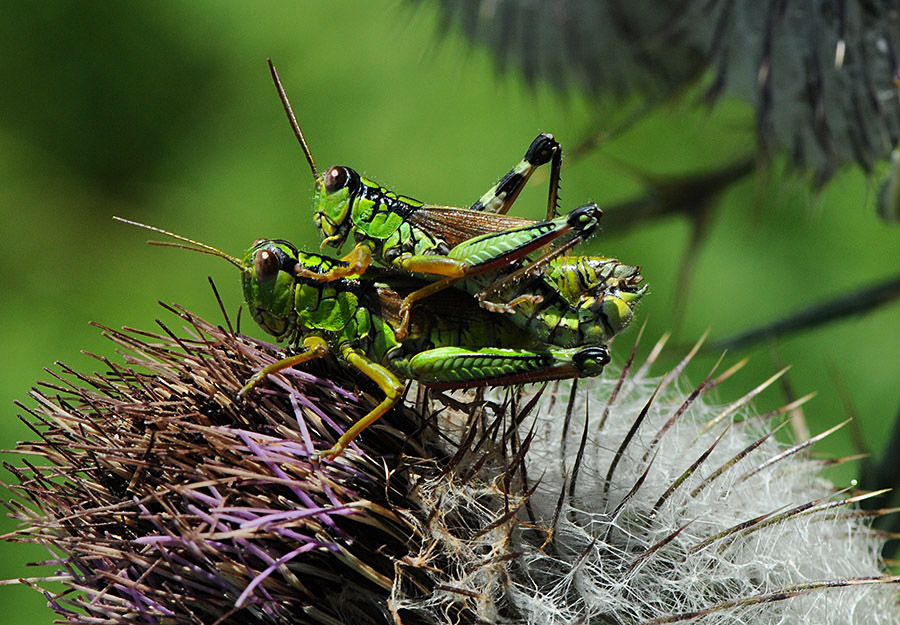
x,y
542,150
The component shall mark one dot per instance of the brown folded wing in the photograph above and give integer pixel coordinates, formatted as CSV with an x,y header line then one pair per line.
x,y
456,225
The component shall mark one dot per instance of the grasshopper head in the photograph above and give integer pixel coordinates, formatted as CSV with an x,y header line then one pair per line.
x,y
268,285
267,276
336,190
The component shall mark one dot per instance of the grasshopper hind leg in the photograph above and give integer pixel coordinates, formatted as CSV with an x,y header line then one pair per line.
x,y
500,198
581,223
457,367
497,251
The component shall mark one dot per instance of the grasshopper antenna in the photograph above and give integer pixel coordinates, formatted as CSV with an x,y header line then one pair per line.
x,y
194,246
295,125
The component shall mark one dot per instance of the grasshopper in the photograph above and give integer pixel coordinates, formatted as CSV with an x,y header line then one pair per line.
x,y
455,345
491,252
574,300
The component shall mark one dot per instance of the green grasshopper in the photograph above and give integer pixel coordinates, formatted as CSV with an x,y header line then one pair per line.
x,y
457,345
574,300
490,251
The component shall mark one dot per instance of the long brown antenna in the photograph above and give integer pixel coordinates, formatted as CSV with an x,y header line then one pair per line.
x,y
295,125
195,246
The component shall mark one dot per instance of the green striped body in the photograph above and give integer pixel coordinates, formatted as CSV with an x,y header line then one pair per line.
x,y
582,300
457,344
347,203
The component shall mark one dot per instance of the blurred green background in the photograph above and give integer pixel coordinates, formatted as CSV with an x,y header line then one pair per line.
x,y
165,112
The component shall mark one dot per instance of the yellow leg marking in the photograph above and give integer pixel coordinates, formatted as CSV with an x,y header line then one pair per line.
x,y
314,347
358,260
388,383
452,270
436,265
523,169
328,241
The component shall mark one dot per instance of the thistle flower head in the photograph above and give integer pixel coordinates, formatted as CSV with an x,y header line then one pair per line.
x,y
163,500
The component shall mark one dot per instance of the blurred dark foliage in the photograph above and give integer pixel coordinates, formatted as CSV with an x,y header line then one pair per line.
x,y
818,73
66,94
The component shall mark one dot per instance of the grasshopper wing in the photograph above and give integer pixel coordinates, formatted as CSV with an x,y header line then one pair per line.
x,y
456,225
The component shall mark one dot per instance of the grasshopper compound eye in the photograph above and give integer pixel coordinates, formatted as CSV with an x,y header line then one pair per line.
x,y
266,265
336,178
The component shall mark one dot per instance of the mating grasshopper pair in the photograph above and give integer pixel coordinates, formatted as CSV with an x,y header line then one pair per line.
x,y
561,300
535,315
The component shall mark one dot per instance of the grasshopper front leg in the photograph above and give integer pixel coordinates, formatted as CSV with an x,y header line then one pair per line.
x,y
313,347
389,384
316,347
357,261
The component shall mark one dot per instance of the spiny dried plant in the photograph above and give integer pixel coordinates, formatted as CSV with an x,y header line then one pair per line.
x,y
630,501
